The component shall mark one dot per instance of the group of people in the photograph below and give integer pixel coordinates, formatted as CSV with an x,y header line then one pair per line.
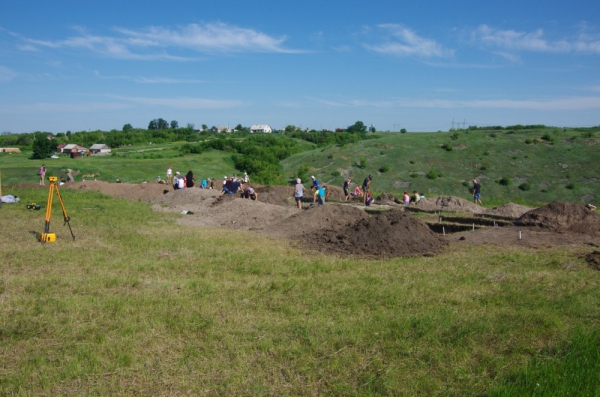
x,y
234,184
363,191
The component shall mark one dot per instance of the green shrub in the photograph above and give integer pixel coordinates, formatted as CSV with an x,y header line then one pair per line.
x,y
505,181
493,135
486,153
432,174
414,175
384,168
454,136
412,161
403,131
548,138
336,173
525,186
447,147
570,186
362,163
483,168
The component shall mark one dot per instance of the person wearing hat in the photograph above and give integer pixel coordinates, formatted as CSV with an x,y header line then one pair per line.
x,y
298,193
176,178
42,174
315,184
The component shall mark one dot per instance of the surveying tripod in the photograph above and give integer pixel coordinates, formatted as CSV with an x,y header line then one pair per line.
x,y
46,236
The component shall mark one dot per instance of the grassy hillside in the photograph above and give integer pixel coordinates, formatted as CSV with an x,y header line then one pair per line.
x,y
522,166
140,305
539,165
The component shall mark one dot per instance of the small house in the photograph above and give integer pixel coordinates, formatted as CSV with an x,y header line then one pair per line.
x,y
261,128
100,149
220,128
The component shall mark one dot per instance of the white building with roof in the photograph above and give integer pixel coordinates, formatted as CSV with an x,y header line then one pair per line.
x,y
258,128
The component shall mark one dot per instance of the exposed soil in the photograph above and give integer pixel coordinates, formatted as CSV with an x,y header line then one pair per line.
x,y
448,203
346,229
593,259
388,234
562,217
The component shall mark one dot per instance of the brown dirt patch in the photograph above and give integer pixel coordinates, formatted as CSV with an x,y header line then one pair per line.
x,y
448,203
510,210
562,217
593,259
389,234
387,199
530,237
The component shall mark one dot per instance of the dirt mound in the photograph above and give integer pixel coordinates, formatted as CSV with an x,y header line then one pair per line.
x,y
143,191
509,210
593,259
388,234
450,204
318,217
563,217
185,196
387,199
278,195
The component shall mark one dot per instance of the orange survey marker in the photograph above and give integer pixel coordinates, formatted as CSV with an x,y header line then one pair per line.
x,y
46,236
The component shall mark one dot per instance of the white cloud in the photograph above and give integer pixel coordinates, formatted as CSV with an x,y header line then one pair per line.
x,y
183,102
404,42
6,74
149,80
153,43
533,41
574,103
63,107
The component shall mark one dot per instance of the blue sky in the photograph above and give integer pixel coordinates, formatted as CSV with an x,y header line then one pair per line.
x,y
86,65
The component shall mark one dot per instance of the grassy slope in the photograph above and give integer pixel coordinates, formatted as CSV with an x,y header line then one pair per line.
x,y
412,156
547,168
140,305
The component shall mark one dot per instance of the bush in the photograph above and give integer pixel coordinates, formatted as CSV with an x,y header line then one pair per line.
x,y
403,131
414,175
505,181
570,186
548,138
335,173
493,135
447,147
525,186
384,168
362,163
412,161
432,174
454,136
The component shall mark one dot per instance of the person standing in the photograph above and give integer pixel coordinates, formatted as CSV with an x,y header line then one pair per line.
x,y
42,174
315,184
477,192
347,189
169,174
366,187
298,193
320,195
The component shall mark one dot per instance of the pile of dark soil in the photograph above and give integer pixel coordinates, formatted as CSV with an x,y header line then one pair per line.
x,y
561,216
317,217
387,199
388,234
509,210
448,203
593,259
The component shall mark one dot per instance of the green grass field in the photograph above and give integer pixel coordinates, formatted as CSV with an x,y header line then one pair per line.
x,y
565,168
138,305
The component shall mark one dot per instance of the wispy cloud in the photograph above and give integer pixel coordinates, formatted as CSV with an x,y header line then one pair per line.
x,y
402,41
533,41
149,80
159,43
63,107
183,102
573,103
6,74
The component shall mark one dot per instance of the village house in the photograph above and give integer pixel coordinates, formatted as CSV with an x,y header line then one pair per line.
x,y
220,128
10,150
258,128
100,149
